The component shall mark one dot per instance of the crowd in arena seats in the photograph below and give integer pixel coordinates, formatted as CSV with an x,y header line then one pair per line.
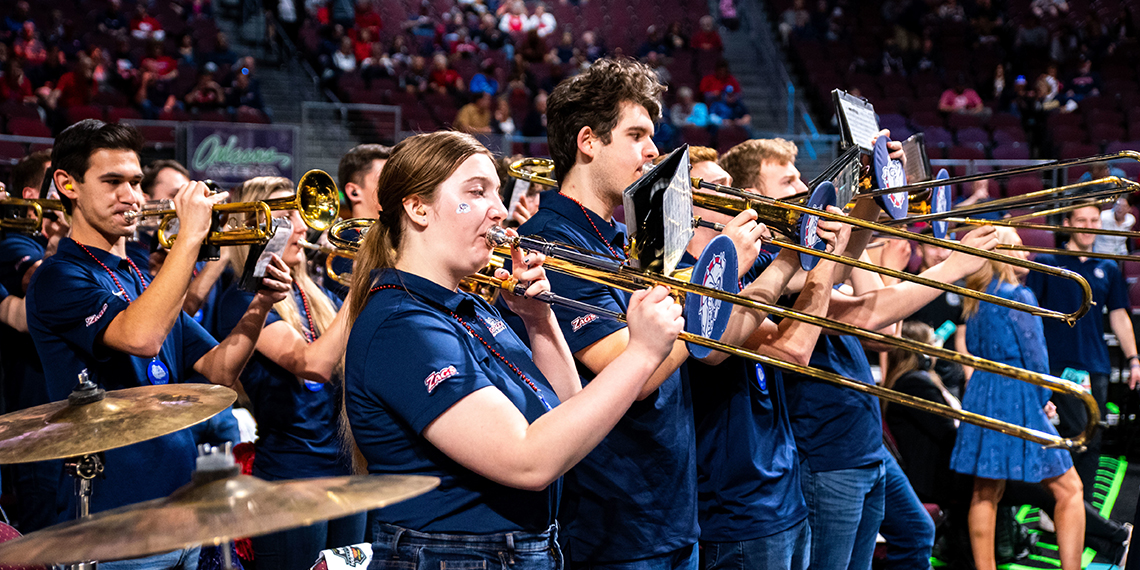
x,y
487,66
981,79
65,61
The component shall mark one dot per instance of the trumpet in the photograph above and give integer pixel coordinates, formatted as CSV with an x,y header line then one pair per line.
x,y
29,225
331,254
317,200
784,217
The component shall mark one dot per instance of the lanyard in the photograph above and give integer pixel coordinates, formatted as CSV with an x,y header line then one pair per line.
x,y
595,226
126,295
526,380
311,334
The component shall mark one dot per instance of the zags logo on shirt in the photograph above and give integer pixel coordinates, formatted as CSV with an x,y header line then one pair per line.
x,y
95,318
438,376
582,321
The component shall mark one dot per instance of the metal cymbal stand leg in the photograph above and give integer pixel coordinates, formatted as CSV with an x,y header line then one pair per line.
x,y
84,469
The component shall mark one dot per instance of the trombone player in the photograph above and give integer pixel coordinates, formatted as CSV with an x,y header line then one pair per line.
x,y
91,308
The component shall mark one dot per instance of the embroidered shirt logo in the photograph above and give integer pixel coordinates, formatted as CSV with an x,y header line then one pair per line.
x,y
435,378
495,326
95,318
582,321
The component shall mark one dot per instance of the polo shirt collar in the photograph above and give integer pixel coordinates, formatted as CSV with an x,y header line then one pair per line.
x,y
612,233
71,247
423,289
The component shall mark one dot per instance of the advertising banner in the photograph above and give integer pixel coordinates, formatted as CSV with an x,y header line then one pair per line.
x,y
231,153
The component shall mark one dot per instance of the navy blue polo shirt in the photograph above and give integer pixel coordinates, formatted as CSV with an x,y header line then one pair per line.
x,y
70,301
297,420
634,496
836,428
408,360
1080,346
748,471
23,373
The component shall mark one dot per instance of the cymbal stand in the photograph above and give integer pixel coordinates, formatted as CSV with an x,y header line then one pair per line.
x,y
215,463
84,468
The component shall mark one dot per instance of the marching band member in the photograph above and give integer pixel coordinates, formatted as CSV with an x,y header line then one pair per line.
x,y
37,485
358,173
293,381
1018,339
498,423
91,308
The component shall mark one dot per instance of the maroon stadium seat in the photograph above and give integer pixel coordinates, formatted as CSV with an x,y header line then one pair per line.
x,y
28,127
1019,185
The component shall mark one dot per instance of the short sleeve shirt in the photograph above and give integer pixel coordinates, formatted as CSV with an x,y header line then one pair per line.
x,y
1082,345
634,495
23,373
297,420
408,360
70,302
749,488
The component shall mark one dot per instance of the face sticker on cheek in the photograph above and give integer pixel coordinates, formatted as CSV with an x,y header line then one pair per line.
x,y
463,208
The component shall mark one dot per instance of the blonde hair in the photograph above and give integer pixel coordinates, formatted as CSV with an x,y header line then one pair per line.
x,y
743,161
981,278
697,155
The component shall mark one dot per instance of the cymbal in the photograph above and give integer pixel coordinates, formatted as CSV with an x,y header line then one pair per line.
x,y
210,513
59,429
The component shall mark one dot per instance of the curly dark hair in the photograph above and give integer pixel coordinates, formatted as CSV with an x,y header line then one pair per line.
x,y
593,99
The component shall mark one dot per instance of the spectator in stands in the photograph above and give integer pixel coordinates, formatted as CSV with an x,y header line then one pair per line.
x,y
1118,218
796,20
688,112
654,61
565,50
1031,36
443,78
475,117
153,95
344,58
164,67
187,52
113,21
490,37
222,54
654,43
543,21
533,48
592,48
892,61
377,64
484,81
15,85
730,109
1049,90
14,22
362,45
707,38
28,48
415,77
713,84
54,66
367,18
962,100
675,38
399,51
1049,9
1085,83
144,26
503,124
207,94
514,19
534,125
1098,170
75,88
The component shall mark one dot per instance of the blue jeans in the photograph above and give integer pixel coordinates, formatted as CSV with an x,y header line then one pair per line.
x,y
789,549
907,526
177,560
686,558
298,548
845,510
395,548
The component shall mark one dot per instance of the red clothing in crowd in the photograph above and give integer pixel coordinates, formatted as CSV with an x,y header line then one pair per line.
x,y
18,92
366,18
445,77
160,65
362,50
74,91
147,25
713,84
709,40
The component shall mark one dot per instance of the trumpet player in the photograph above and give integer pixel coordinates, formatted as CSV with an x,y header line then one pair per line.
x,y
91,308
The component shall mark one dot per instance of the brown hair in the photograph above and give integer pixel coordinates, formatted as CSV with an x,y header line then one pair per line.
x,y
981,278
901,361
697,155
743,161
593,99
419,164
359,159
29,172
150,175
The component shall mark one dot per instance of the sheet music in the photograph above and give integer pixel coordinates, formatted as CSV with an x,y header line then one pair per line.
x,y
861,121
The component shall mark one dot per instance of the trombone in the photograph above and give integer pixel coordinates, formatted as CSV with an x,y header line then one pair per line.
x,y
29,225
614,273
783,217
316,199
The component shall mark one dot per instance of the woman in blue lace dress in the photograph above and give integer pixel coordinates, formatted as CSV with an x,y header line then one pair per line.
x,y
1015,338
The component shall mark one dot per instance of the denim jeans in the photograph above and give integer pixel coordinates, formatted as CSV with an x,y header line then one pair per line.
x,y
845,510
907,526
395,548
177,560
686,558
298,548
789,549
